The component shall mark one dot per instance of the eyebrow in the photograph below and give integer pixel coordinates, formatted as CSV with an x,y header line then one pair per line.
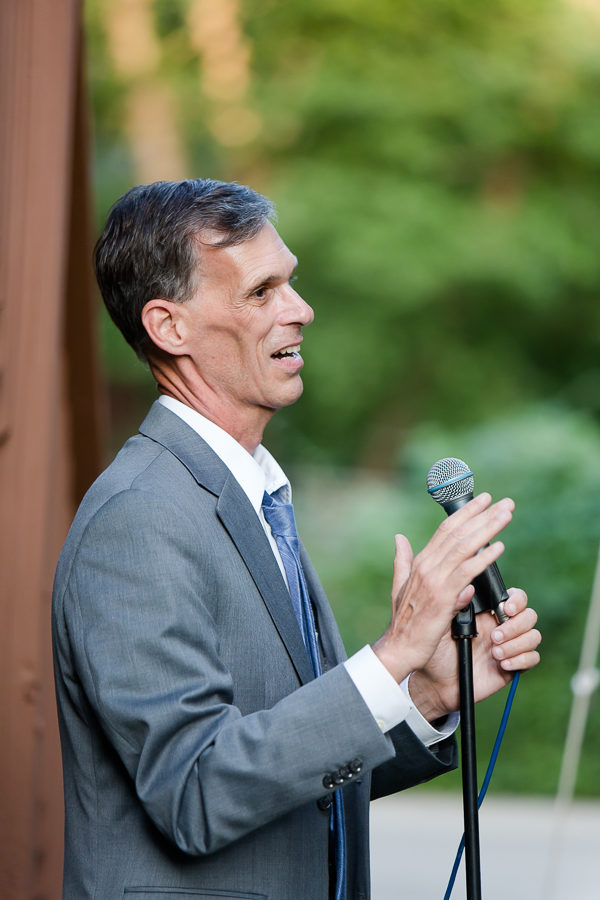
x,y
270,280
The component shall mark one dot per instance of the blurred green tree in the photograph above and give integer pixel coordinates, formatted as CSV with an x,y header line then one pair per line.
x,y
436,167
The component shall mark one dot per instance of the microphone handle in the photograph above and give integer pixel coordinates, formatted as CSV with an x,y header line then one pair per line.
x,y
490,593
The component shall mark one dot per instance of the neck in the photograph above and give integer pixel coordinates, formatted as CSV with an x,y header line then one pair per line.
x,y
246,427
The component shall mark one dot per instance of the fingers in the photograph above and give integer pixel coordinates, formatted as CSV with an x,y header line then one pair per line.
x,y
475,565
521,662
522,618
514,643
516,602
460,518
455,555
465,532
467,538
402,563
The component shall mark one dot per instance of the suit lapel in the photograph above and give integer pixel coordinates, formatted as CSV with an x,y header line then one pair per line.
x,y
239,519
237,515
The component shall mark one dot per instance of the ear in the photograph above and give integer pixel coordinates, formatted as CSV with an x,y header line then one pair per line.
x,y
163,323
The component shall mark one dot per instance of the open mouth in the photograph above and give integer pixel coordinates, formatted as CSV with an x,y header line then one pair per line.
x,y
287,352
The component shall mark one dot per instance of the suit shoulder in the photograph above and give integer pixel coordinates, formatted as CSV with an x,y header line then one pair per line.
x,y
145,487
141,465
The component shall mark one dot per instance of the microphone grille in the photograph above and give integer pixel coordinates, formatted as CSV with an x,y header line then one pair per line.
x,y
449,479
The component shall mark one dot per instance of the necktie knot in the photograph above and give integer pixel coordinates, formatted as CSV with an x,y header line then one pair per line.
x,y
280,516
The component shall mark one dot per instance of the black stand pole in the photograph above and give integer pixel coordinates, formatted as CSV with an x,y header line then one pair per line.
x,y
463,630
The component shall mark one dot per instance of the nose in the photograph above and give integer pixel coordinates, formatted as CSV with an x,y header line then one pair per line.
x,y
296,310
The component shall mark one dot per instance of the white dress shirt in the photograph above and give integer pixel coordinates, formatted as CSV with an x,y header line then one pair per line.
x,y
388,702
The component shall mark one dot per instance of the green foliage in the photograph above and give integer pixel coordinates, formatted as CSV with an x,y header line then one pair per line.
x,y
441,193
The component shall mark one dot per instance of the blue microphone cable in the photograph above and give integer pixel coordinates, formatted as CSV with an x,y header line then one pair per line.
x,y
487,778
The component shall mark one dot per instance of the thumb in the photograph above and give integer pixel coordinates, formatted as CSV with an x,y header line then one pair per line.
x,y
402,563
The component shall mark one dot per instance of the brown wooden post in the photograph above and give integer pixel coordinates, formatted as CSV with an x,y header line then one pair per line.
x,y
49,409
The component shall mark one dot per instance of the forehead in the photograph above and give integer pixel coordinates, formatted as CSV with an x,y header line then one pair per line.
x,y
265,256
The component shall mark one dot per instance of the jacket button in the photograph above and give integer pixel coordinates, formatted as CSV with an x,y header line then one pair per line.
x,y
328,783
325,802
355,766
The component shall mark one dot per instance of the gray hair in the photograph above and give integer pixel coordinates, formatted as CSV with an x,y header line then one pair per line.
x,y
149,246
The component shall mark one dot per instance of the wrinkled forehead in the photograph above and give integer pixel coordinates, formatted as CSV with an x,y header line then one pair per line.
x,y
263,257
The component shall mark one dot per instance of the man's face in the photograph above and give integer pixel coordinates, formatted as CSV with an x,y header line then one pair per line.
x,y
245,329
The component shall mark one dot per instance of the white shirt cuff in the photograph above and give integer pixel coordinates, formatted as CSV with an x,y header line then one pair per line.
x,y
389,702
423,729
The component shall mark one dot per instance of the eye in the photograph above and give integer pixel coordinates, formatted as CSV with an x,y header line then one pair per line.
x,y
261,292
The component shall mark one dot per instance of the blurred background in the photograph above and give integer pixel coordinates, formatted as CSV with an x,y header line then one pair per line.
x,y
436,169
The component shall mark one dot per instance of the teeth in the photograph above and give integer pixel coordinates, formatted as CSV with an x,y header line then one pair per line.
x,y
287,351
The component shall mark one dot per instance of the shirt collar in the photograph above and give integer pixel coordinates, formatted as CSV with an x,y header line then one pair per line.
x,y
254,473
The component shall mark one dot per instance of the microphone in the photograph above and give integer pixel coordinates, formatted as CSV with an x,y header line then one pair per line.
x,y
450,482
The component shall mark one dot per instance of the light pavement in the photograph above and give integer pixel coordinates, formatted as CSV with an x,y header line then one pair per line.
x,y
415,835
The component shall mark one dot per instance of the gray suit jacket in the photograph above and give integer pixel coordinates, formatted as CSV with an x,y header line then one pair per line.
x,y
195,739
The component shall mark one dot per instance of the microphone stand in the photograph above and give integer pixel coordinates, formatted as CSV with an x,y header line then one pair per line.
x,y
463,631
450,483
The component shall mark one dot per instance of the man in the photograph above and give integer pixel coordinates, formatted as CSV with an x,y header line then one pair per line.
x,y
209,724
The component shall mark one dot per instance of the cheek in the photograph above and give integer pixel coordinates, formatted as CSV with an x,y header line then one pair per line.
x,y
237,349
218,341
232,358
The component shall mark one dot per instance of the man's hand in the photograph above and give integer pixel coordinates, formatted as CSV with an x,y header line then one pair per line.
x,y
427,592
498,652
429,589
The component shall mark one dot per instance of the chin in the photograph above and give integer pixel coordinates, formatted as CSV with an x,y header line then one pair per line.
x,y
289,397
296,393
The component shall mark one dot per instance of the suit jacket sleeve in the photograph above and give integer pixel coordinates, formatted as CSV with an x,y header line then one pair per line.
x,y
412,762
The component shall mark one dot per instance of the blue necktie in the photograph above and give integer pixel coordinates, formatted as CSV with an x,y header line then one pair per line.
x,y
280,517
